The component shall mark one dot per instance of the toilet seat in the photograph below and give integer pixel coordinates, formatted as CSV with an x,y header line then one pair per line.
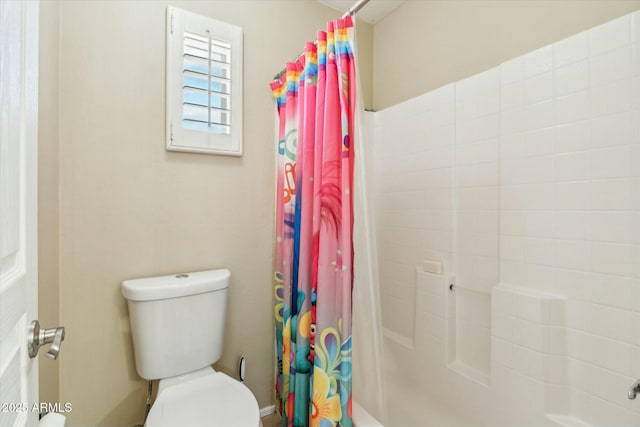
x,y
210,400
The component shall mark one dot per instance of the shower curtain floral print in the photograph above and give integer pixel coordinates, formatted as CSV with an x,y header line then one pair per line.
x,y
313,272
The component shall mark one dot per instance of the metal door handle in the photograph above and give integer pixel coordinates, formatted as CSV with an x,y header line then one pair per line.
x,y
634,390
39,337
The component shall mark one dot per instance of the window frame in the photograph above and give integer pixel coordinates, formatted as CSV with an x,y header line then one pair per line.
x,y
179,138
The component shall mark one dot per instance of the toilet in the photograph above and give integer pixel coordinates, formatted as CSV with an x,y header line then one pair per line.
x,y
177,325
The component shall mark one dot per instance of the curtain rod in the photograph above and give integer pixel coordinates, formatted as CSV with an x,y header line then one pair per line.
x,y
352,11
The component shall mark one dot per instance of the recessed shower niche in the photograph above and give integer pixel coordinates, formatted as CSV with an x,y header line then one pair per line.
x,y
469,334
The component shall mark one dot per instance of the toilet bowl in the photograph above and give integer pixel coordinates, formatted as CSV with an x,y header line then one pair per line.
x,y
177,326
203,398
52,419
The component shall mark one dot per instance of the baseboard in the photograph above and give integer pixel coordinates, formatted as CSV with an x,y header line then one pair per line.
x,y
267,410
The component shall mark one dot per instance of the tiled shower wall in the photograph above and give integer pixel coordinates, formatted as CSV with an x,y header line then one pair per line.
x,y
570,201
527,175
413,179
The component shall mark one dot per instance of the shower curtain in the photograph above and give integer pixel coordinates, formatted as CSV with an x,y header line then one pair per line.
x,y
313,269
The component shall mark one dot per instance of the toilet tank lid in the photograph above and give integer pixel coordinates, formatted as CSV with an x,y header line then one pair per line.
x,y
175,285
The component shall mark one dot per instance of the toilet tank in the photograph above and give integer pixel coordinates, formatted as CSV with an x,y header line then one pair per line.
x,y
177,321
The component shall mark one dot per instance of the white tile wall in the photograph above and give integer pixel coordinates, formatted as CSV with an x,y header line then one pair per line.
x,y
476,218
527,175
477,180
413,177
588,243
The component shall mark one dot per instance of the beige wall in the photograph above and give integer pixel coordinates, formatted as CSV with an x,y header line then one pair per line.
x,y
48,187
426,44
115,205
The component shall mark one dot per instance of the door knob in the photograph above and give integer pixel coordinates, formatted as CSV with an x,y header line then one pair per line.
x,y
39,337
634,390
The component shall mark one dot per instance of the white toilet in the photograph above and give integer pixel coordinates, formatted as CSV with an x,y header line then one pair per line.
x,y
177,323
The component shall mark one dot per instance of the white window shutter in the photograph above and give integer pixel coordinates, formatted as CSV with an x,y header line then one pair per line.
x,y
204,84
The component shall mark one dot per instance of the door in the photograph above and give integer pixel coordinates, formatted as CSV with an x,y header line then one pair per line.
x,y
18,209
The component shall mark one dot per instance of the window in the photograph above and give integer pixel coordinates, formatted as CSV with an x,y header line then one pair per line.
x,y
204,84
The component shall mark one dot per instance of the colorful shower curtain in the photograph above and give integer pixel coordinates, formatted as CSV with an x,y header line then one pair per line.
x,y
313,270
